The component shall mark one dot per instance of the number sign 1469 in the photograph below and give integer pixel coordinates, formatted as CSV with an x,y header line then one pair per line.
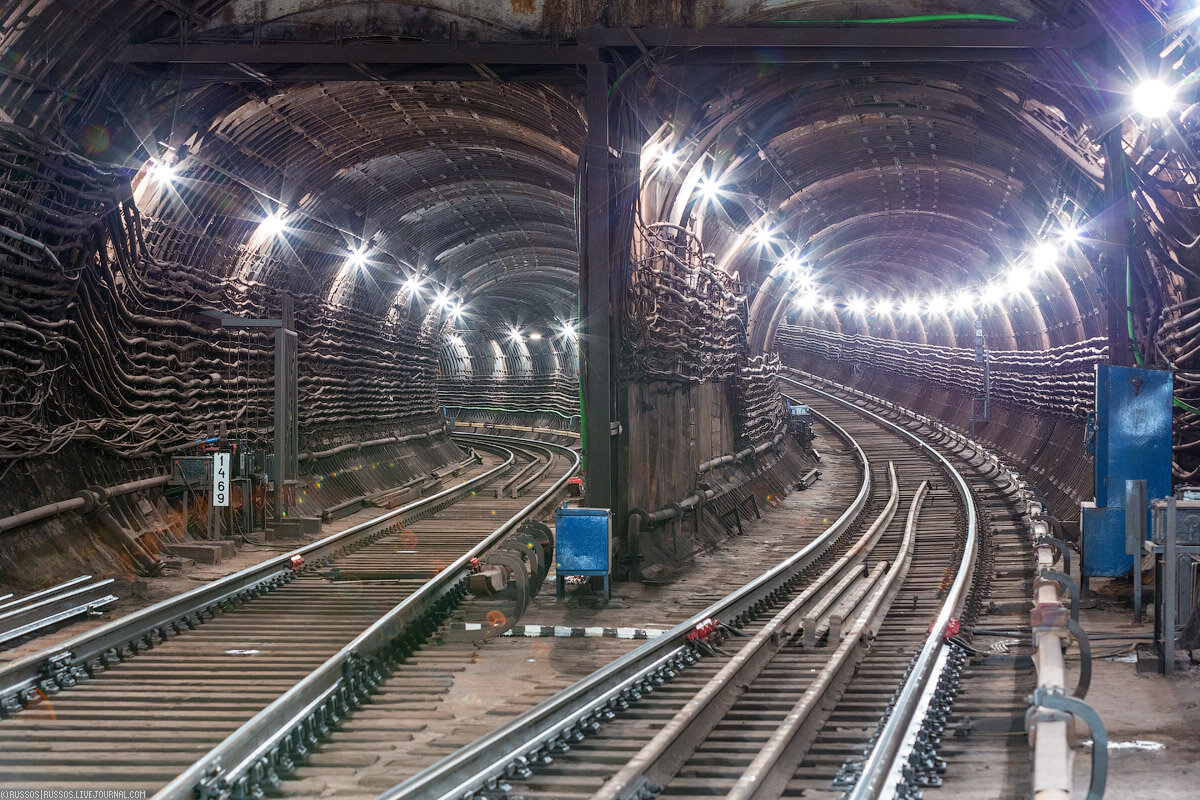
x,y
220,493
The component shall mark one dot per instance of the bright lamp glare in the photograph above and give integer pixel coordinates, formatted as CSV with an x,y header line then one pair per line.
x,y
442,299
911,307
709,189
1153,98
883,307
936,304
828,306
162,171
514,334
763,236
456,311
993,293
412,285
1045,256
535,336
568,332
1071,235
856,305
807,300
668,159
273,224
357,257
962,301
456,340
1018,280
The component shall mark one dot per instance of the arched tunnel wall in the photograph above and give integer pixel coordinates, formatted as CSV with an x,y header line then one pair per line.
x,y
1038,403
497,372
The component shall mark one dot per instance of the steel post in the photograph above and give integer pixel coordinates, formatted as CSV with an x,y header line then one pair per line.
x,y
1116,251
287,445
595,298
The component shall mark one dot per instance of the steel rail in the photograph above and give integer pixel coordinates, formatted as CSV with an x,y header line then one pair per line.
x,y
252,756
661,758
882,770
66,663
1046,723
768,774
576,708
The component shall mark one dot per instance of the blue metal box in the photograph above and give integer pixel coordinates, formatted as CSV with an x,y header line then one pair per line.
x,y
1133,442
582,544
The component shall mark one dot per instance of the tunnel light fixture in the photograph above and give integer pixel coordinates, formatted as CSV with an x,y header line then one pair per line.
x,y
534,336
413,284
993,293
962,302
1018,280
161,171
357,257
936,304
828,306
710,189
764,236
567,331
1153,98
442,300
668,158
514,334
457,310
911,307
808,300
1045,256
856,305
883,307
273,224
1071,235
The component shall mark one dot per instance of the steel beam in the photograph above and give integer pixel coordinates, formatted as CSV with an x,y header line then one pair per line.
x,y
595,298
1117,223
372,53
860,37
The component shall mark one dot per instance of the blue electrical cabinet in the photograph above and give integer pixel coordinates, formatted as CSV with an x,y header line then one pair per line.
x,y
1132,442
582,545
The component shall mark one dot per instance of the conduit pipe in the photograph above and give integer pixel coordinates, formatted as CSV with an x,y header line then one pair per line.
x,y
731,458
86,500
309,455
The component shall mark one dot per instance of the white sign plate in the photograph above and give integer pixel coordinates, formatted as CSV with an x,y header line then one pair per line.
x,y
220,493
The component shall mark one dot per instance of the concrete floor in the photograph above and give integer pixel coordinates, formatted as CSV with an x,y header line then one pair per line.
x,y
1153,722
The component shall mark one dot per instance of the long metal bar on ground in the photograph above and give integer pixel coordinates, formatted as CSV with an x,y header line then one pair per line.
x,y
884,764
76,600
220,770
68,661
661,758
471,767
768,775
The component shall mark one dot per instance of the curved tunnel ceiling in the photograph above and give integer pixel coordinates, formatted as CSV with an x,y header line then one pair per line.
x,y
891,178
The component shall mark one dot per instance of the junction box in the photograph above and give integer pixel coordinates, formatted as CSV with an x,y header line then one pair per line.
x,y
1131,439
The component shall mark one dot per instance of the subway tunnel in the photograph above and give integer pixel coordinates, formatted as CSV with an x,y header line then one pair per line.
x,y
295,292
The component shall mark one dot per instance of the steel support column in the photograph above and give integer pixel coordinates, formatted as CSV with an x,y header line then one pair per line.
x,y
1117,223
287,435
596,299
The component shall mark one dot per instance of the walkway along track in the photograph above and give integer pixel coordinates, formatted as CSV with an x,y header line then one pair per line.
x,y
89,714
785,716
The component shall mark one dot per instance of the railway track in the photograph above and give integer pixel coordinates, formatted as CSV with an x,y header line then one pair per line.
x,y
135,703
834,682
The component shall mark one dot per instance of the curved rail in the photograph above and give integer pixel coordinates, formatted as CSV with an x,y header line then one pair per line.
x,y
883,768
1047,726
68,662
252,757
577,707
